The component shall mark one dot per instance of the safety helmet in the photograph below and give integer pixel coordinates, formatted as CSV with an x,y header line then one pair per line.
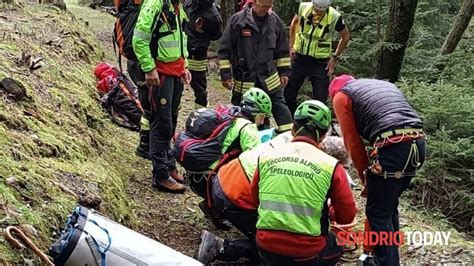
x,y
314,113
321,5
256,101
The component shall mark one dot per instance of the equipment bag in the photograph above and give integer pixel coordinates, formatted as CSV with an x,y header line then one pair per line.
x,y
91,239
200,145
123,105
207,13
119,96
127,16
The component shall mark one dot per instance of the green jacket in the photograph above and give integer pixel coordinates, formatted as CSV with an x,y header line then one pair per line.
x,y
242,134
171,41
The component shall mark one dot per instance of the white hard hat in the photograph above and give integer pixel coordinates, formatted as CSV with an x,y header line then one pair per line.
x,y
321,5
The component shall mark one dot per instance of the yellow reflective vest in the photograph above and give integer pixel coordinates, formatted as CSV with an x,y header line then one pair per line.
x,y
316,39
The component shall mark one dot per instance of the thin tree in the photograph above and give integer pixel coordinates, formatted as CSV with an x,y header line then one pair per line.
x,y
400,22
459,27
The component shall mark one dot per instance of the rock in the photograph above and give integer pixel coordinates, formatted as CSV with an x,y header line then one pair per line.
x,y
11,180
89,201
422,251
29,230
14,89
457,251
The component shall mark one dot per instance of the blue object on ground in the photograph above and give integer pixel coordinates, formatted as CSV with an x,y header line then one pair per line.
x,y
266,135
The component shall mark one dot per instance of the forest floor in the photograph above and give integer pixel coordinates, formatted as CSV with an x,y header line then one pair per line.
x,y
175,220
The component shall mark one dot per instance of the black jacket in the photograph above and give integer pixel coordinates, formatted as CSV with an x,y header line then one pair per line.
x,y
253,56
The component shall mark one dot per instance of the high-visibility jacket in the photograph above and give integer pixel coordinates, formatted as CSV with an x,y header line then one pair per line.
x,y
293,189
316,40
235,177
170,37
242,135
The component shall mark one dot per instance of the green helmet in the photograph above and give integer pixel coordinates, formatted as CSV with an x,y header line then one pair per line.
x,y
256,101
315,113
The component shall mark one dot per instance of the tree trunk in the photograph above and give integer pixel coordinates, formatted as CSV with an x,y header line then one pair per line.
x,y
459,26
236,6
223,5
400,22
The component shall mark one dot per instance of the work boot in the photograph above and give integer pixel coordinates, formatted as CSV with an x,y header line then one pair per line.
x,y
143,149
218,222
168,185
210,247
177,176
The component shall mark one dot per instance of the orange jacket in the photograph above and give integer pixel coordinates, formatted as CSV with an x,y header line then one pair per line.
x,y
236,185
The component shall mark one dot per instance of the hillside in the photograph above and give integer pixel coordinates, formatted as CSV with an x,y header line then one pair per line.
x,y
58,147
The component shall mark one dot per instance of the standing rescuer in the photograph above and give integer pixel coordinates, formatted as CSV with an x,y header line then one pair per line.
x,y
159,28
377,111
254,53
205,25
293,213
312,32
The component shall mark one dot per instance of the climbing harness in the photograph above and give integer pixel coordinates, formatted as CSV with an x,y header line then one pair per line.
x,y
10,230
394,137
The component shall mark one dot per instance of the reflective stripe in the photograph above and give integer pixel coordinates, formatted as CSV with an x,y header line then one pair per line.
x,y
273,81
242,86
146,36
286,207
145,123
197,65
170,44
283,62
198,106
399,132
224,64
285,127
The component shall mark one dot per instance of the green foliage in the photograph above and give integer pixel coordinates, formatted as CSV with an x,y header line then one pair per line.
x,y
446,180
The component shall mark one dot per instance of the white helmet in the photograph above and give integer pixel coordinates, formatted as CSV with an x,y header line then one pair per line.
x,y
321,5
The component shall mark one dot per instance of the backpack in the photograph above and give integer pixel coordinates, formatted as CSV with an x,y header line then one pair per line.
x,y
209,13
119,96
200,144
127,16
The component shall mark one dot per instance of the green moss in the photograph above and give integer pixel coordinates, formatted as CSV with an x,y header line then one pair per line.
x,y
59,145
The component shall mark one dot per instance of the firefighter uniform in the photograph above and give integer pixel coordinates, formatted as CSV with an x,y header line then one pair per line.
x,y
197,65
254,53
313,47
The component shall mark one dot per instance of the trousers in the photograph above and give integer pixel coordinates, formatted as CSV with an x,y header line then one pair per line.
x,y
383,194
306,66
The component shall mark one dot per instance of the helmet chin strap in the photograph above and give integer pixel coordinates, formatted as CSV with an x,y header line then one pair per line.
x,y
301,128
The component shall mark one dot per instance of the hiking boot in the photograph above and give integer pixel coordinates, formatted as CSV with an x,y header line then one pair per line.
x,y
218,222
177,176
168,185
143,149
210,247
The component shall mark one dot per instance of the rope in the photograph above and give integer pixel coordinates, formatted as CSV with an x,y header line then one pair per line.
x,y
9,237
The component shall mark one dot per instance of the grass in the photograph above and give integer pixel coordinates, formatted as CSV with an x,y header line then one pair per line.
x,y
59,145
